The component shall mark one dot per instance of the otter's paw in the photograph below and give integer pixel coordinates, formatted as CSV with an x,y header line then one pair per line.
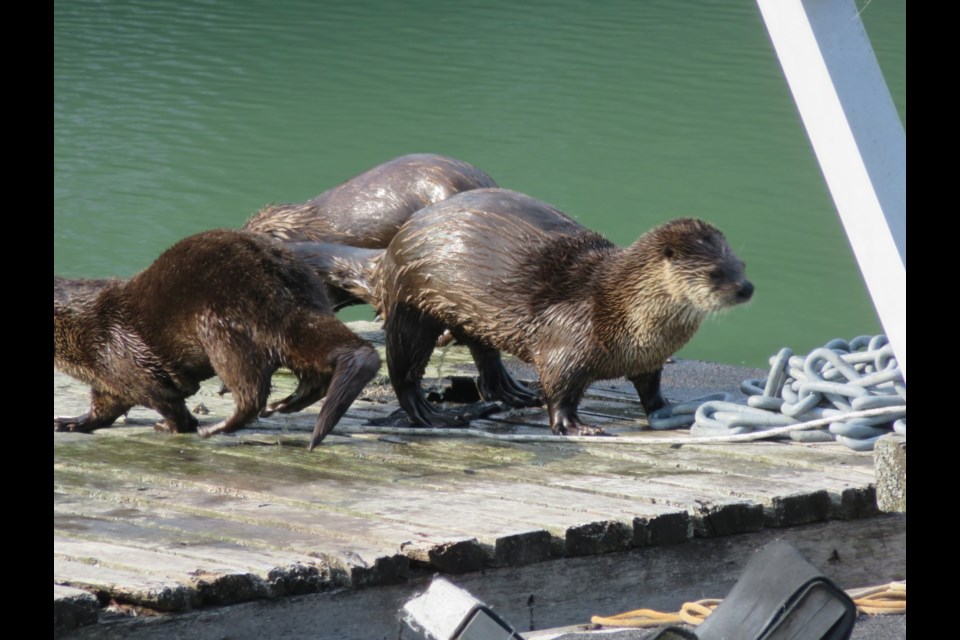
x,y
171,426
585,430
570,425
476,411
205,431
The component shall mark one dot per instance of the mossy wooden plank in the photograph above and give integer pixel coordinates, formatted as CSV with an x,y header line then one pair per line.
x,y
288,568
827,456
552,464
348,542
356,515
489,524
558,521
790,495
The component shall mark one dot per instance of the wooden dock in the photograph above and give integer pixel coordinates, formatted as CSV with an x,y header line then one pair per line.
x,y
147,523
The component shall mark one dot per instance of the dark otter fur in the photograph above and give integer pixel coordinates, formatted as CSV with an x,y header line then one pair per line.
x,y
504,271
222,302
367,210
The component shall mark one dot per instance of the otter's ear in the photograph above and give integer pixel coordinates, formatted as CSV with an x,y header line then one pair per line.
x,y
667,252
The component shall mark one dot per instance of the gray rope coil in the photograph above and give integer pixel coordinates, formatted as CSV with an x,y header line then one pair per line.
x,y
838,378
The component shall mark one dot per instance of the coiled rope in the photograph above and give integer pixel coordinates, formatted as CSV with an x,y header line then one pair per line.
x,y
834,384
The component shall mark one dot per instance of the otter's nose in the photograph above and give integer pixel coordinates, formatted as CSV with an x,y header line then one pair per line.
x,y
745,292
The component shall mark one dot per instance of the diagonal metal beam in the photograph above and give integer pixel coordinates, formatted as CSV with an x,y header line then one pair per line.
x,y
858,138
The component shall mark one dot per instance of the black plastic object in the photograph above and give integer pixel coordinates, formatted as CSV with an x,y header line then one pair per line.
x,y
779,596
483,624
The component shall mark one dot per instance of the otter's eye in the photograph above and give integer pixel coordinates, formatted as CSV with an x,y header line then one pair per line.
x,y
716,275
668,251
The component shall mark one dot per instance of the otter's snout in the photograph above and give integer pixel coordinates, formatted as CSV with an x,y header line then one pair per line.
x,y
745,292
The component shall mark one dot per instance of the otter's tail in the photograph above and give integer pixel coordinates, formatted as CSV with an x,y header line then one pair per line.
x,y
349,272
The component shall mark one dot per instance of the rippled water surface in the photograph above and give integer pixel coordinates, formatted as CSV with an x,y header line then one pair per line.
x,y
175,117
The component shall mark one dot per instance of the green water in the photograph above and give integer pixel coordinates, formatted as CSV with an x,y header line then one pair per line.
x,y
175,117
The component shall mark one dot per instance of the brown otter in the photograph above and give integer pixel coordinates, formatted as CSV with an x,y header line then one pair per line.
x,y
367,210
507,272
223,302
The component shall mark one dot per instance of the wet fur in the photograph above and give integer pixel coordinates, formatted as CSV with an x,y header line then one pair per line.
x,y
367,210
223,302
506,272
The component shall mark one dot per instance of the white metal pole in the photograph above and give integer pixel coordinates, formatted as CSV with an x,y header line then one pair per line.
x,y
858,138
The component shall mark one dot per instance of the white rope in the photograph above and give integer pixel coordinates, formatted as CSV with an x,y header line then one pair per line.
x,y
741,437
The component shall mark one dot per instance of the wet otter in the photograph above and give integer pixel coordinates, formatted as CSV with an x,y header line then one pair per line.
x,y
223,302
507,272
367,210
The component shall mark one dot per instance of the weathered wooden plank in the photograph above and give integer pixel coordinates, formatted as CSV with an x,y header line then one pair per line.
x,y
646,523
286,571
235,482
167,593
826,456
446,549
211,582
790,496
715,512
711,516
652,524
561,522
578,532
851,488
369,551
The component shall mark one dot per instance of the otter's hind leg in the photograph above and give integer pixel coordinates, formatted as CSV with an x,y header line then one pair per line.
x,y
495,381
105,408
410,337
354,367
245,368
310,388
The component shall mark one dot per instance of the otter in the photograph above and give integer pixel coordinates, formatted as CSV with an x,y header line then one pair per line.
x,y
506,272
230,303
367,210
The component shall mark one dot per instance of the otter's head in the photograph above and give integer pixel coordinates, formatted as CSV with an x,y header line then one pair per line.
x,y
697,265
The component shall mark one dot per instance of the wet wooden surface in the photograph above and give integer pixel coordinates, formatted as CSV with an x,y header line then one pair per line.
x,y
173,523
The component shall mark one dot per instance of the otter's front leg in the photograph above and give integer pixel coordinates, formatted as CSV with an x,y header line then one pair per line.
x,y
648,388
563,396
105,408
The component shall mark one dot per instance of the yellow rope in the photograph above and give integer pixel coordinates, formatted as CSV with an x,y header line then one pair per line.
x,y
691,613
884,599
